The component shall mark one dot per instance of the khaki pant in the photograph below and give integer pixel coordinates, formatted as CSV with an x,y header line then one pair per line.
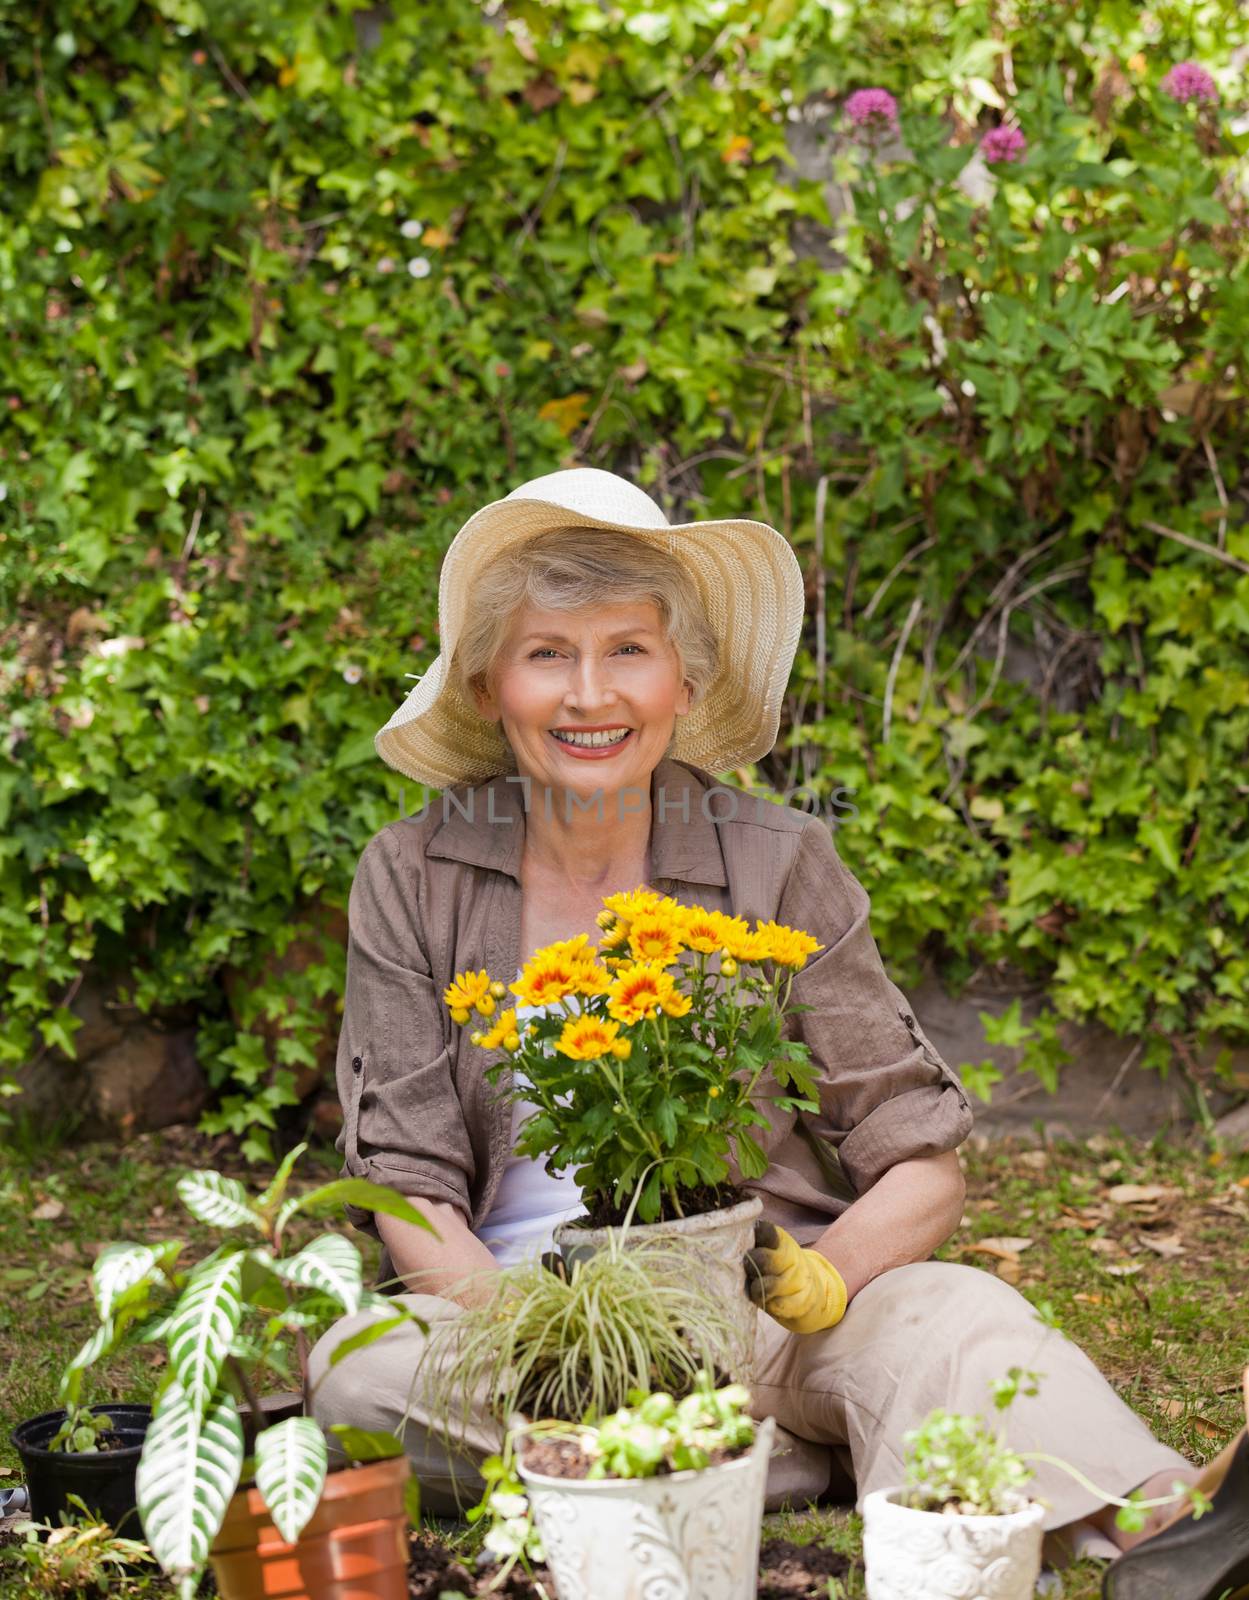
x,y
921,1336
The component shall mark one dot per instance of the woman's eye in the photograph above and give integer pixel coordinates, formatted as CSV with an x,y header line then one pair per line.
x,y
545,650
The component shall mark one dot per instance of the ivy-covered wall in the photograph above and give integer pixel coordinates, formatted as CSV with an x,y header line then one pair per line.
x,y
290,288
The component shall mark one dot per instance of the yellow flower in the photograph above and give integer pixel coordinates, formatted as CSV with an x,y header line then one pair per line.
x,y
701,928
605,919
512,1042
466,989
653,936
677,1004
788,947
587,1038
458,1014
736,939
498,989
622,1049
714,1092
639,991
547,979
505,1024
632,902
486,1005
729,967
615,937
593,979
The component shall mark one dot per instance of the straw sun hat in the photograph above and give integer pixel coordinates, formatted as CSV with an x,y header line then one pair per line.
x,y
751,588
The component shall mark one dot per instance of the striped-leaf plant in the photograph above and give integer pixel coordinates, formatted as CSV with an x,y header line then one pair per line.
x,y
223,1321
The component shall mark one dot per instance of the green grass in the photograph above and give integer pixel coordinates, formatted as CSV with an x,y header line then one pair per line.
x,y
1166,1332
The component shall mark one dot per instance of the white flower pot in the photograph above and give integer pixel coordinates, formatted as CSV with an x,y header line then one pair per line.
x,y
929,1555
718,1240
686,1536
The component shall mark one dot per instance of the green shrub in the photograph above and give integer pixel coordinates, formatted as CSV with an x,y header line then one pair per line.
x,y
290,291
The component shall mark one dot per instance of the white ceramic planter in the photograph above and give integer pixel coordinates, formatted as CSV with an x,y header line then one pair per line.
x,y
687,1536
927,1555
718,1242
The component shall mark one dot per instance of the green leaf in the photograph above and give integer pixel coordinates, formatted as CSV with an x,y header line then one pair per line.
x,y
355,1192
363,1337
203,1324
273,1194
220,1202
118,1269
330,1265
358,1444
187,1473
291,1464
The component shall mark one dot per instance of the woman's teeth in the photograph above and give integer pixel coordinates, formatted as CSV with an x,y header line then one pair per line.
x,y
593,740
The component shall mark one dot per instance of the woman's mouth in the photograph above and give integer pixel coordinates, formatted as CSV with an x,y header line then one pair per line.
x,y
592,747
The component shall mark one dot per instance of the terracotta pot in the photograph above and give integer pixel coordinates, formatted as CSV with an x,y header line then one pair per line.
x,y
718,1240
354,1548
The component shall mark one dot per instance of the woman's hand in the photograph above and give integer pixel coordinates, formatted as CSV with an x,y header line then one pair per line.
x,y
800,1289
456,1265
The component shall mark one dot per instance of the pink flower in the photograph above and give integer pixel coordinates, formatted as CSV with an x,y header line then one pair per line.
x,y
1003,144
873,109
1187,81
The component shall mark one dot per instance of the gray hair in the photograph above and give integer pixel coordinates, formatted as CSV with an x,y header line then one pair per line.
x,y
574,569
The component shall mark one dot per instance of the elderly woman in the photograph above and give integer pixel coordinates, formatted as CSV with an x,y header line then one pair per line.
x,y
599,665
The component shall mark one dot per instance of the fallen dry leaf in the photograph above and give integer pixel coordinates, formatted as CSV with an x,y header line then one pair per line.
x,y
1036,1159
48,1211
1126,1270
1171,1408
1008,1269
1136,1194
1105,1247
1164,1244
1208,1429
1007,1245
1089,1299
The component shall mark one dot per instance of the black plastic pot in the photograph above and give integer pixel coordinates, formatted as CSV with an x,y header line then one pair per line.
x,y
103,1480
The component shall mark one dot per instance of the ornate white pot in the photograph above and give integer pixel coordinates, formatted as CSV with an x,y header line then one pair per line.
x,y
687,1536
717,1241
928,1555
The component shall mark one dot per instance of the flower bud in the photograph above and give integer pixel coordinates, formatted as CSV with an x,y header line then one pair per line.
x,y
458,1014
486,1005
621,1049
714,1091
512,1042
605,918
498,989
476,1036
728,967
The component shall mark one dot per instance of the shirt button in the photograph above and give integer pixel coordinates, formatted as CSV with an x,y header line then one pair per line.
x,y
356,1063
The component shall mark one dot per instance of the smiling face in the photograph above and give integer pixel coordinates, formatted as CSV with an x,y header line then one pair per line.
x,y
608,671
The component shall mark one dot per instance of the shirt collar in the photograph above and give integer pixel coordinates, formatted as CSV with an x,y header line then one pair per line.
x,y
484,825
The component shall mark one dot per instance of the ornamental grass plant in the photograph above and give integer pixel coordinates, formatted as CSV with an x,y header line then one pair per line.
x,y
546,1345
658,1047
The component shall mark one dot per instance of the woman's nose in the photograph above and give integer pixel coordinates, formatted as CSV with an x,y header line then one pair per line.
x,y
590,684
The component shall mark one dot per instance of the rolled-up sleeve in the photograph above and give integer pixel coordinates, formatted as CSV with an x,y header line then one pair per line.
x,y
885,1093
403,1124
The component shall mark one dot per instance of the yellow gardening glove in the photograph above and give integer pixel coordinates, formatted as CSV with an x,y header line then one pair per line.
x,y
802,1290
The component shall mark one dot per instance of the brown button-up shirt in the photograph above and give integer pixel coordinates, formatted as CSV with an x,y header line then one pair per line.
x,y
440,893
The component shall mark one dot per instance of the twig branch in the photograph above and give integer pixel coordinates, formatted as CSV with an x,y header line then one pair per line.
x,y
916,550
1197,544
1219,486
917,605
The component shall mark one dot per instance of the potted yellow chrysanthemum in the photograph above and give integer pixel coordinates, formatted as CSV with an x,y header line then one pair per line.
x,y
649,1065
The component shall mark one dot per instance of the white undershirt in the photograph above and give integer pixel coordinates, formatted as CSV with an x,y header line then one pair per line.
x,y
529,1204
